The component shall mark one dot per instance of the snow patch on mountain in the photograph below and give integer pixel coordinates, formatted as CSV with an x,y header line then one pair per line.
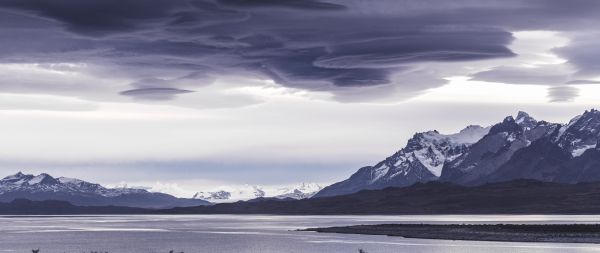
x,y
565,127
579,151
68,180
580,134
301,191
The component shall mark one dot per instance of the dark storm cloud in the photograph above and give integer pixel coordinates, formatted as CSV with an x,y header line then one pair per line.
x,y
343,47
419,47
97,17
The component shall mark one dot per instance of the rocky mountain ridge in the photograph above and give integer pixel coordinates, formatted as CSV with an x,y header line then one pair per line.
x,y
515,148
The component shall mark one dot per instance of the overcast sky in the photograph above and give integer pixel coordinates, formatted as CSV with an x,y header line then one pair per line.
x,y
188,95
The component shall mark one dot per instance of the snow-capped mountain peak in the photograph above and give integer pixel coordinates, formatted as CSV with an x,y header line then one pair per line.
x,y
421,160
580,134
432,149
17,175
16,179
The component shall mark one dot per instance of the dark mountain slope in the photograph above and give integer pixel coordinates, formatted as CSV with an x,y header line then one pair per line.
x,y
516,197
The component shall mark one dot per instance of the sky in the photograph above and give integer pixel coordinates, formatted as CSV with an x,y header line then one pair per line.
x,y
191,95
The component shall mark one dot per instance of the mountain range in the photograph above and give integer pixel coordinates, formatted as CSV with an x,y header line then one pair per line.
x,y
79,192
512,197
248,192
515,148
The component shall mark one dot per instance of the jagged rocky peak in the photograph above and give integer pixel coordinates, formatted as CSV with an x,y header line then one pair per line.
x,y
491,151
432,149
508,125
16,176
468,135
420,139
16,179
591,118
524,120
580,134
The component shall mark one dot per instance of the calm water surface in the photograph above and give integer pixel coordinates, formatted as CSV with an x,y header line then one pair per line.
x,y
253,234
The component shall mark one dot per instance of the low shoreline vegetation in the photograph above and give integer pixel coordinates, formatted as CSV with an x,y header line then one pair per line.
x,y
170,251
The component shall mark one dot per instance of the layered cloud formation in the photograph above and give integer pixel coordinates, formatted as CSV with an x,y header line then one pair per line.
x,y
356,50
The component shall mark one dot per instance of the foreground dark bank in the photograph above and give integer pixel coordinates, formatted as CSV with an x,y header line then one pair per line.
x,y
515,197
563,233
57,207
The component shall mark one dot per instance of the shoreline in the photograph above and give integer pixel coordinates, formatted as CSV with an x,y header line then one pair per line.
x,y
550,233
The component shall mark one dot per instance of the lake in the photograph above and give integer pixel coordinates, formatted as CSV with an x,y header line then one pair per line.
x,y
254,234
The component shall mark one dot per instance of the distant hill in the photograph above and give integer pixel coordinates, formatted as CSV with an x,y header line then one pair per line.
x,y
82,193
